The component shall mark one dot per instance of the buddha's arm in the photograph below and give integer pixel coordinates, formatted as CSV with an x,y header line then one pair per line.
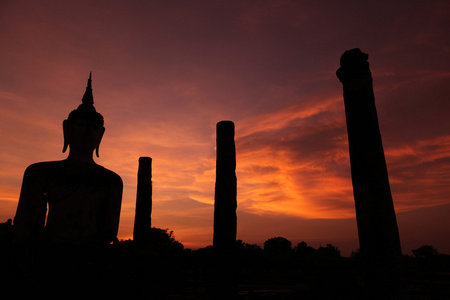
x,y
111,218
32,207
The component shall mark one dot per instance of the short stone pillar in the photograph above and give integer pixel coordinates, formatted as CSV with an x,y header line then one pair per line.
x,y
142,218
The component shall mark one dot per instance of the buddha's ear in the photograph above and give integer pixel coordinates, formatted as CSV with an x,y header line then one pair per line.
x,y
98,146
66,138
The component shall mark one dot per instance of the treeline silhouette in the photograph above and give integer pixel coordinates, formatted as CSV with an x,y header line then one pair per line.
x,y
164,269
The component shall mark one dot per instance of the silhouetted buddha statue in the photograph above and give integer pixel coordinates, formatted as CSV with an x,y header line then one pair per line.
x,y
83,198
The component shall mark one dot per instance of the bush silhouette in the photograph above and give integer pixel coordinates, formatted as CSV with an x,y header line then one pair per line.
x,y
425,251
303,250
163,240
277,246
329,251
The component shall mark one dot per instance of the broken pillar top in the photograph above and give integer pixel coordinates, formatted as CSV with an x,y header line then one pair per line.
x,y
225,129
226,125
145,169
354,65
145,160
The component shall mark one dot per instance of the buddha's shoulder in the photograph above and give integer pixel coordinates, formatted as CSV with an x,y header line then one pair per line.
x,y
60,167
109,175
44,167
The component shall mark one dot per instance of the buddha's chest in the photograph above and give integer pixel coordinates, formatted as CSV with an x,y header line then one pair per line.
x,y
75,209
75,198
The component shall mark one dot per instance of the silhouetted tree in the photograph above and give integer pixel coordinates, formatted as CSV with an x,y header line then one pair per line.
x,y
163,240
244,247
304,250
329,251
248,253
428,263
6,232
277,246
356,254
159,240
249,258
425,251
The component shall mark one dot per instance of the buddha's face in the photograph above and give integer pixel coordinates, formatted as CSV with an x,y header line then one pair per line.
x,y
83,135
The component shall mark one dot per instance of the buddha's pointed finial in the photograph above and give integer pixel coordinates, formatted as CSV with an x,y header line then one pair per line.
x,y
88,98
85,111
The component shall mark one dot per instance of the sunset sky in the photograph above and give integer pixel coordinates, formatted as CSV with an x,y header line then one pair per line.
x,y
165,72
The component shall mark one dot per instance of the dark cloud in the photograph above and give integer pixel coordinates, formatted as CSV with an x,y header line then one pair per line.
x,y
414,110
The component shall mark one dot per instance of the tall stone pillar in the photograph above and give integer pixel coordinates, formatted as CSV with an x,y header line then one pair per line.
x,y
225,221
142,218
377,225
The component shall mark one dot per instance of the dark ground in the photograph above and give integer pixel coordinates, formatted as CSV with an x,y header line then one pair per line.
x,y
167,271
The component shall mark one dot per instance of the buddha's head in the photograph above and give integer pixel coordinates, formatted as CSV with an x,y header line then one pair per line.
x,y
83,129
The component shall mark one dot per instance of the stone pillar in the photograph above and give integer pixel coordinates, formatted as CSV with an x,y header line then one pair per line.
x,y
377,225
142,218
225,221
